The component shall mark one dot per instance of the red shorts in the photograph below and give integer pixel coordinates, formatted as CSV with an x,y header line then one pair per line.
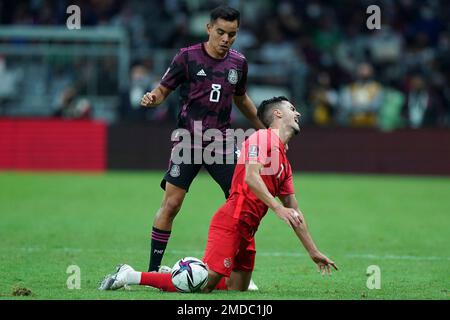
x,y
230,245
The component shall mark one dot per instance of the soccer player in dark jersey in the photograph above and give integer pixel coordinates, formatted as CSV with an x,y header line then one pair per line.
x,y
263,172
211,76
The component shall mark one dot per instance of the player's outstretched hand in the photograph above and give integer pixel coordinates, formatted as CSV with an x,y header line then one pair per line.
x,y
324,264
289,215
148,100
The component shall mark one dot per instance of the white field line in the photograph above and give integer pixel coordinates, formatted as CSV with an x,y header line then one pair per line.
x,y
259,253
396,257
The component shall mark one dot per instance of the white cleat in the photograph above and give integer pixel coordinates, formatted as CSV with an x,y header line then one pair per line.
x,y
252,286
117,280
165,269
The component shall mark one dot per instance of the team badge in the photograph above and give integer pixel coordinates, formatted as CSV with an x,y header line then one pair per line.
x,y
175,171
252,151
232,76
227,263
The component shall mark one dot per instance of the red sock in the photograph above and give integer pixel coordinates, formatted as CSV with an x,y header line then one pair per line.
x,y
163,281
222,285
157,280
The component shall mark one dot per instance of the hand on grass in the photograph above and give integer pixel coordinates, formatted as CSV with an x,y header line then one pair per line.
x,y
324,264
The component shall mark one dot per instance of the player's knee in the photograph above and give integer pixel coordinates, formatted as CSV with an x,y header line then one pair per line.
x,y
171,206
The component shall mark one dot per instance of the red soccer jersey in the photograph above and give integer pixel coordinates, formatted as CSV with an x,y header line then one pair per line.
x,y
264,147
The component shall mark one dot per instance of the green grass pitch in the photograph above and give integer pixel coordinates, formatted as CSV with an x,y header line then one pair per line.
x,y
50,221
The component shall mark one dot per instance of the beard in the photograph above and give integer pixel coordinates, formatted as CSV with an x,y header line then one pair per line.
x,y
296,129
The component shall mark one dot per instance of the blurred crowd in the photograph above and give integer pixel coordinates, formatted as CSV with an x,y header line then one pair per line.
x,y
397,76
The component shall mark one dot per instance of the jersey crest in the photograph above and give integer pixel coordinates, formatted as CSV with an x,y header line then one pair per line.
x,y
232,76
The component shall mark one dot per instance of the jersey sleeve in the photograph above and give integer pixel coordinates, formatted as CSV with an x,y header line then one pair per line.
x,y
287,187
241,86
176,73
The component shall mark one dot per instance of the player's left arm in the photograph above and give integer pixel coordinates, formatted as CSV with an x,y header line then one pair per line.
x,y
248,109
322,261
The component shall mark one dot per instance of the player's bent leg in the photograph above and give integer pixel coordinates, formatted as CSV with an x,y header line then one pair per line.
x,y
239,280
162,281
125,275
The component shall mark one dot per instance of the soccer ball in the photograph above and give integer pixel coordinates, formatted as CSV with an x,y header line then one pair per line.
x,y
189,275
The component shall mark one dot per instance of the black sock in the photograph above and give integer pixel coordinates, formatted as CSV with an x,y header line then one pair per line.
x,y
158,246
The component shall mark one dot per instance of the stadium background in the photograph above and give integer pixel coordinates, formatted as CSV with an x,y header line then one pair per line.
x,y
373,101
318,53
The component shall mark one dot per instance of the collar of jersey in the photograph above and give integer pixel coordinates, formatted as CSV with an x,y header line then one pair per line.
x,y
209,56
280,143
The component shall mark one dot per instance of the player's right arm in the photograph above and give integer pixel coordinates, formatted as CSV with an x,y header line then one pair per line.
x,y
155,97
256,184
324,264
174,76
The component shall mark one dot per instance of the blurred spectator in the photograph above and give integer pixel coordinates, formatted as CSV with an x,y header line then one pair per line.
x,y
290,24
352,50
390,114
327,36
361,100
424,106
9,80
134,22
141,79
278,57
419,54
107,73
427,23
385,45
276,49
324,100
73,107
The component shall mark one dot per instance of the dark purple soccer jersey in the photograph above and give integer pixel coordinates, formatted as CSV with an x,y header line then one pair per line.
x,y
207,86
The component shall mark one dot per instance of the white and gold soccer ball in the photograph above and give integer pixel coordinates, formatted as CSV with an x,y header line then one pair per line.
x,y
189,275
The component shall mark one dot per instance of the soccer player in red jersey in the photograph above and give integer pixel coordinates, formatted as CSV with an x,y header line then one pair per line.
x,y
262,173
210,76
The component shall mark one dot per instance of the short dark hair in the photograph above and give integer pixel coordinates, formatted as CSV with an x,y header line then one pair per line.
x,y
226,13
264,112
